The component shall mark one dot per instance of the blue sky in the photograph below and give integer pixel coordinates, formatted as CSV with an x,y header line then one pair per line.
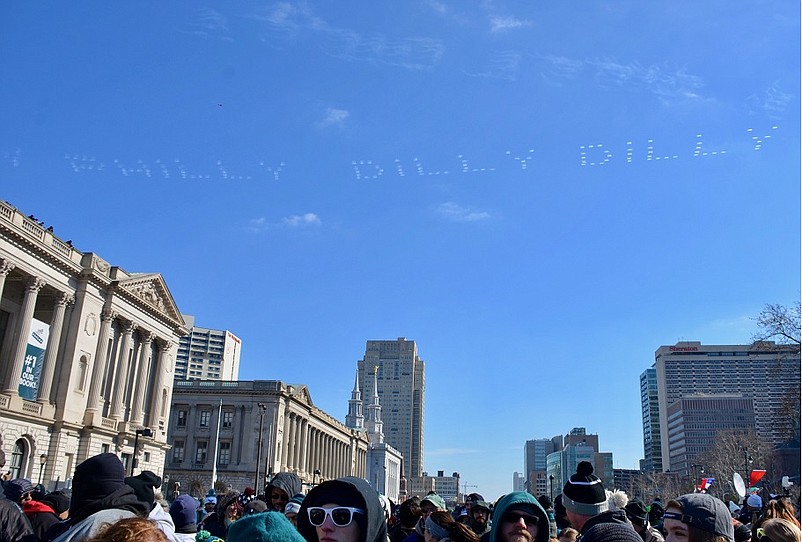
x,y
539,193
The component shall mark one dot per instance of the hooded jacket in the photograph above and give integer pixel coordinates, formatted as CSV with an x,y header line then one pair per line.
x,y
347,491
14,526
287,482
513,500
215,522
41,516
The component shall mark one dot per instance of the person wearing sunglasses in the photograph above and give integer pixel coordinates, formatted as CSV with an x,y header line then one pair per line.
x,y
342,510
698,517
518,517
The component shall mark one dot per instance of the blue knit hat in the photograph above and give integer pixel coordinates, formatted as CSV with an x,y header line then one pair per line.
x,y
184,514
265,527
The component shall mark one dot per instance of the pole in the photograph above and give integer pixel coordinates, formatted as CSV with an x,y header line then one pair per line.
x,y
746,469
551,487
259,449
216,444
136,445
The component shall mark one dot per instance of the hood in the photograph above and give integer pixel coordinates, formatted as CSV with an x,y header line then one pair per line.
x,y
35,507
288,482
123,498
611,516
519,498
347,491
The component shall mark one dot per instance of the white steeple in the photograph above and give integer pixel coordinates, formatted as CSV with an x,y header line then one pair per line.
x,y
355,419
373,423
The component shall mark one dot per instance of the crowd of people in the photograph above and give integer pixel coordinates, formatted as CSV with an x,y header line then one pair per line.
x,y
103,505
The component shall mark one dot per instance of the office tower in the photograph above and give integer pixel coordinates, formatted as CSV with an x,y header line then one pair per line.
x,y
400,379
207,354
765,373
535,453
650,412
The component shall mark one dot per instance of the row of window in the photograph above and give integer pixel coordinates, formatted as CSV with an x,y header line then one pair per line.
x,y
204,417
202,452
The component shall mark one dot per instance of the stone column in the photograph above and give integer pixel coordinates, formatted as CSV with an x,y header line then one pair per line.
x,y
138,410
158,388
303,463
99,363
32,287
5,267
121,378
56,324
286,435
291,443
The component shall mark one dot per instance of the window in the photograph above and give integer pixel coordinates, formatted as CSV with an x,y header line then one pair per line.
x,y
182,418
83,363
18,458
228,419
225,453
178,451
104,448
204,418
200,452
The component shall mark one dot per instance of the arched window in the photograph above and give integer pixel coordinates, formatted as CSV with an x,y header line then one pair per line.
x,y
19,458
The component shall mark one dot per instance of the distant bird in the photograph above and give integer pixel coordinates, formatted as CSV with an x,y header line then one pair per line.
x,y
219,105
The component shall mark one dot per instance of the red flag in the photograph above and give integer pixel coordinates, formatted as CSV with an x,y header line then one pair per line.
x,y
756,476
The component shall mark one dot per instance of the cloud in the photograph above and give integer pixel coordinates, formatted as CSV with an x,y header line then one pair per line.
x,y
503,24
772,102
209,23
454,451
501,65
334,117
284,20
297,221
457,213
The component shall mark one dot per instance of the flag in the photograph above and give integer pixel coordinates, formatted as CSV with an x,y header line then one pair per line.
x,y
756,476
706,483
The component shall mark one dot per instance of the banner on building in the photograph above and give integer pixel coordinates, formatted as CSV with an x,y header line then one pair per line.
x,y
34,359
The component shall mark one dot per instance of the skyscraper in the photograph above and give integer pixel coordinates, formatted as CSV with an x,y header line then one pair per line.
x,y
400,379
207,354
650,412
764,373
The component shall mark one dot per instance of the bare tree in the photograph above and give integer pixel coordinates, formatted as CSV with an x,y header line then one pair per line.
x,y
780,324
734,451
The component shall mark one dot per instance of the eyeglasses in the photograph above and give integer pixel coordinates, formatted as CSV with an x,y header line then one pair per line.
x,y
515,517
341,516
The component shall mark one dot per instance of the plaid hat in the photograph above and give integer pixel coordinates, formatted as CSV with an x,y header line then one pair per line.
x,y
265,527
704,512
611,532
436,500
637,513
16,488
584,494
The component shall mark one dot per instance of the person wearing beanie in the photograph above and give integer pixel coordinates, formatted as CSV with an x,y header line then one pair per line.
x,y
144,485
610,532
698,517
209,504
430,503
518,517
293,507
227,511
283,486
342,510
583,496
183,511
99,496
638,515
59,501
479,517
269,526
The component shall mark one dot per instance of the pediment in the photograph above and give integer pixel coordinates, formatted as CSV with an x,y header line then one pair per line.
x,y
301,393
151,289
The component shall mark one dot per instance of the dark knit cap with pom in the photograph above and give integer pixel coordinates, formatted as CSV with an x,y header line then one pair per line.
x,y
584,494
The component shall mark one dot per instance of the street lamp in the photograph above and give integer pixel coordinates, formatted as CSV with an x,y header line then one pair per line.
x,y
42,462
262,408
146,432
551,487
315,474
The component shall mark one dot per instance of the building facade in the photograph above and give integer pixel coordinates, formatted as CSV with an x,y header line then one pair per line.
x,y
764,373
240,433
579,445
87,353
207,354
400,380
650,414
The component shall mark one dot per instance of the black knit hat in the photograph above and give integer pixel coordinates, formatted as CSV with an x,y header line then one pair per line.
x,y
611,532
144,485
637,512
584,494
58,501
96,478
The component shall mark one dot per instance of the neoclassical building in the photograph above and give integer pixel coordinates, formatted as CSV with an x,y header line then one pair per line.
x,y
87,352
239,433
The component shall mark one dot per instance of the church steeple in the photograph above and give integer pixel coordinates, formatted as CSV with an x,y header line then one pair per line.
x,y
355,419
373,423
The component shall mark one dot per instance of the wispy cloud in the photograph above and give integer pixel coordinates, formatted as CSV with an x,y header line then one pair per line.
x,y
457,213
298,221
291,21
334,117
670,85
503,24
209,23
772,102
501,65
294,221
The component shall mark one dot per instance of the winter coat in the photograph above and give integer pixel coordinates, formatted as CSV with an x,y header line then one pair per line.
x,y
41,516
14,526
512,500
